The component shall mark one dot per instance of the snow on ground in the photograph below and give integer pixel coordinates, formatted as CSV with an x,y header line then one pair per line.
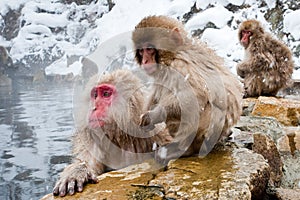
x,y
224,39
116,24
5,5
126,14
292,23
177,8
225,42
209,15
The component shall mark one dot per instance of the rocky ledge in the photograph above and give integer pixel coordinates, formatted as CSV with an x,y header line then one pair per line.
x,y
226,173
260,161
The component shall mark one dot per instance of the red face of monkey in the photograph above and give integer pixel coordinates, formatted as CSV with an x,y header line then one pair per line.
x,y
101,97
245,39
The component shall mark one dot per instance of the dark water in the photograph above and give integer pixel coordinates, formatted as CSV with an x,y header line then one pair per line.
x,y
36,125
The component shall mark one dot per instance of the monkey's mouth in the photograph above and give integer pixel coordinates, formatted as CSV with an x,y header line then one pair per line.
x,y
150,68
96,123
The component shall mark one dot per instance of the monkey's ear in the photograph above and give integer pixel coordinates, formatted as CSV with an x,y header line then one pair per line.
x,y
176,36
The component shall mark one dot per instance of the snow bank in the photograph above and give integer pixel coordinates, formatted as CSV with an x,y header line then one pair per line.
x,y
177,8
225,42
217,15
59,67
126,14
83,30
6,5
292,24
204,4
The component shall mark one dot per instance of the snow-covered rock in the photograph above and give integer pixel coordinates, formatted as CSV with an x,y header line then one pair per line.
x,y
51,31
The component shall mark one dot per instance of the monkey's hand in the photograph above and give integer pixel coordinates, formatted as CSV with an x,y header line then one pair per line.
x,y
152,117
243,69
168,152
73,178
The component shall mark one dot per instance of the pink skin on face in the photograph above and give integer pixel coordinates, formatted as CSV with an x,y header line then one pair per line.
x,y
102,97
245,37
147,52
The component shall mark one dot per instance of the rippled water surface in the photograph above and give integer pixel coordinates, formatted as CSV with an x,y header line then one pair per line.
x,y
36,125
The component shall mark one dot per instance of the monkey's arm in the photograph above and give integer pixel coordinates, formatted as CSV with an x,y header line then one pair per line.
x,y
257,62
168,107
84,169
243,69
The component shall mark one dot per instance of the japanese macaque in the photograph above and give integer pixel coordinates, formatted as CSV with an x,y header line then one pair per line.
x,y
109,136
193,93
268,64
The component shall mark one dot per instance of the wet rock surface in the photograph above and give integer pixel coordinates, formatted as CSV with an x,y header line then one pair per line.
x,y
121,184
223,174
226,173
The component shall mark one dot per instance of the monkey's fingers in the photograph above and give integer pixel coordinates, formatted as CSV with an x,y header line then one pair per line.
x,y
71,187
92,178
55,190
60,189
145,120
80,186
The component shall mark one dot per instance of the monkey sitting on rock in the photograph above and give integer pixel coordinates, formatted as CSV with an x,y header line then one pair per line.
x,y
197,97
110,137
267,66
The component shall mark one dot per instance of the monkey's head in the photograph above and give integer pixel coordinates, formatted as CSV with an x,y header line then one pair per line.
x,y
114,99
156,40
250,30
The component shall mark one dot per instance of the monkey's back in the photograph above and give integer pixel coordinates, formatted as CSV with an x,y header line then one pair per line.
x,y
273,69
218,91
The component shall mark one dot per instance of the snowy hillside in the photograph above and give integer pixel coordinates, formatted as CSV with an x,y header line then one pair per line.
x,y
53,31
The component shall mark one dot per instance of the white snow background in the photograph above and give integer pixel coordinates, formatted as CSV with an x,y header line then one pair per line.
x,y
123,17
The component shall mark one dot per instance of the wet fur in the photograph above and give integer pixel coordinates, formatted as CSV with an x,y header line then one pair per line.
x,y
268,64
199,64
93,148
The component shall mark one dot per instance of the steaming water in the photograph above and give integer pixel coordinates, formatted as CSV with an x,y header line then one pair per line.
x,y
36,125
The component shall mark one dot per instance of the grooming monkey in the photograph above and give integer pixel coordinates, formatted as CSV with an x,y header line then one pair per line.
x,y
193,93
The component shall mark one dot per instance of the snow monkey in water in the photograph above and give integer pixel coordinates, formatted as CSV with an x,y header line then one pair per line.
x,y
193,93
111,137
268,64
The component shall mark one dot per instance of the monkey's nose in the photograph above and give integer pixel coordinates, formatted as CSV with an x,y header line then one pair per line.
x,y
144,61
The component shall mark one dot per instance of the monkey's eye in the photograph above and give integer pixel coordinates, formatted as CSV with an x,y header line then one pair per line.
x,y
149,49
247,32
102,92
106,93
94,93
140,51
